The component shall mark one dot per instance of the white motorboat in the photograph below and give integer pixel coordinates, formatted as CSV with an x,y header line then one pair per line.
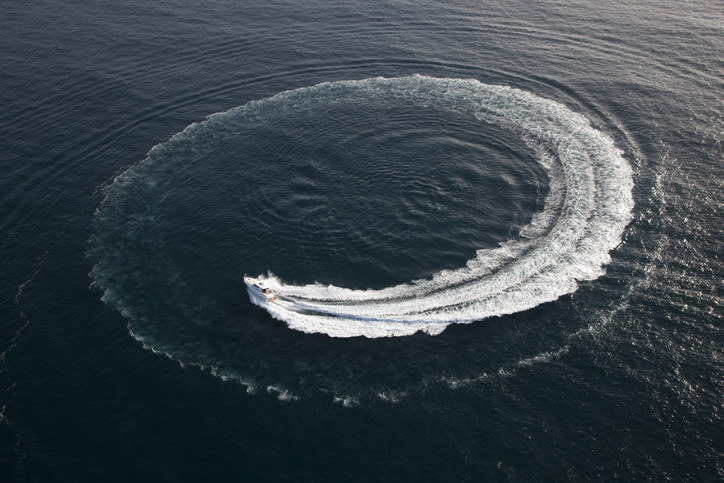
x,y
259,288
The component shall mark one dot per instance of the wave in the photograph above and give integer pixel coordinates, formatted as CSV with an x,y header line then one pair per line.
x,y
584,215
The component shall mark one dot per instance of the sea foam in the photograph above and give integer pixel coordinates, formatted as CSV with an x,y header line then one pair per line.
x,y
587,208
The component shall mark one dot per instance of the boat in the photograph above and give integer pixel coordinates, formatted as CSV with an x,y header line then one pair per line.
x,y
259,289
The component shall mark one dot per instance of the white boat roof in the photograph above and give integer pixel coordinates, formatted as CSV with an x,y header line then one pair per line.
x,y
256,282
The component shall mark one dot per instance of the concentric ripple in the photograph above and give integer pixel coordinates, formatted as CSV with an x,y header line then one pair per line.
x,y
587,206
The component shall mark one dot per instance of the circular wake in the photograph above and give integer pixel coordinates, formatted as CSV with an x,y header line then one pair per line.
x,y
585,212
366,183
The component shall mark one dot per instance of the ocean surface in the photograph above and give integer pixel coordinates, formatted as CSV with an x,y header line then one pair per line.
x,y
495,232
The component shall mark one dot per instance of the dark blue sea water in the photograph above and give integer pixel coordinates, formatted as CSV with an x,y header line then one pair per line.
x,y
495,229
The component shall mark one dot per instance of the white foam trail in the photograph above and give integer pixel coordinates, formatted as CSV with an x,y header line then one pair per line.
x,y
281,393
346,401
584,216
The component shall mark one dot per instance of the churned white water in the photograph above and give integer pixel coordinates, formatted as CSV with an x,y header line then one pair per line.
x,y
584,216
